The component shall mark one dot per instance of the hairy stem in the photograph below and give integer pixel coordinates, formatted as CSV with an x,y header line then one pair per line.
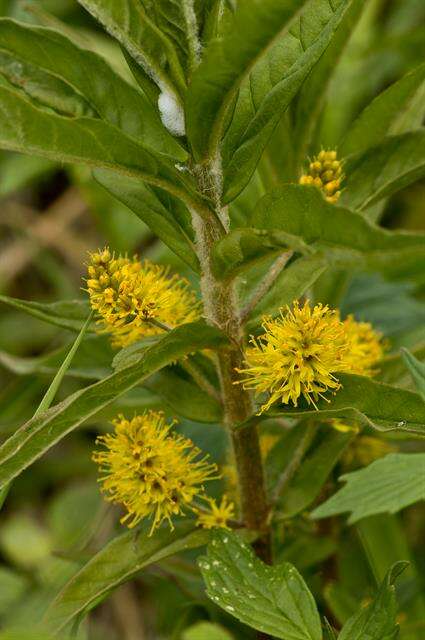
x,y
220,310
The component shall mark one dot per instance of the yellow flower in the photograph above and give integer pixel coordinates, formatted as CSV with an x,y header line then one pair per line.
x,y
218,515
325,172
297,355
130,297
149,470
365,347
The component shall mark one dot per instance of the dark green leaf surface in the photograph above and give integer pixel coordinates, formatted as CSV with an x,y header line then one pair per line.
x,y
374,404
41,433
313,473
28,129
313,92
68,314
144,203
385,486
377,621
274,600
226,62
394,111
290,285
384,169
299,217
417,370
75,81
118,562
131,22
274,81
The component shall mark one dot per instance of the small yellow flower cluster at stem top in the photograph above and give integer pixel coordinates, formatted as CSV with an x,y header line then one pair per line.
x,y
325,172
218,514
133,299
154,472
301,351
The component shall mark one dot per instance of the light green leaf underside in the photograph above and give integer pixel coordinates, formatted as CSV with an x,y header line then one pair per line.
x,y
384,169
28,129
136,31
373,404
274,600
68,314
118,562
417,370
38,435
299,217
385,486
74,81
143,202
377,621
392,112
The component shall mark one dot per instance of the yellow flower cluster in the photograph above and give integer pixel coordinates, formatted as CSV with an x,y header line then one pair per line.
x,y
218,514
325,172
151,471
302,350
134,299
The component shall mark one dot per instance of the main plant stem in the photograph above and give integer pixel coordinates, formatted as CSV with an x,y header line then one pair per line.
x,y
221,310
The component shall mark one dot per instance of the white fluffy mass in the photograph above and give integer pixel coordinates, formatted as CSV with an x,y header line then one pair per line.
x,y
172,115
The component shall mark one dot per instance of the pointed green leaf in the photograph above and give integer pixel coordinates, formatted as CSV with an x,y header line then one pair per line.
x,y
143,202
417,370
206,631
274,600
384,169
225,64
373,404
33,58
385,486
38,435
132,23
377,621
68,314
299,217
119,561
290,285
389,113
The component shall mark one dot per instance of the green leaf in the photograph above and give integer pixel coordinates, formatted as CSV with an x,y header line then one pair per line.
x,y
299,217
290,285
308,481
385,486
131,22
226,62
371,403
119,561
61,372
184,397
384,169
144,203
271,599
389,113
206,631
417,370
38,435
313,92
377,621
92,362
75,81
28,129
68,314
